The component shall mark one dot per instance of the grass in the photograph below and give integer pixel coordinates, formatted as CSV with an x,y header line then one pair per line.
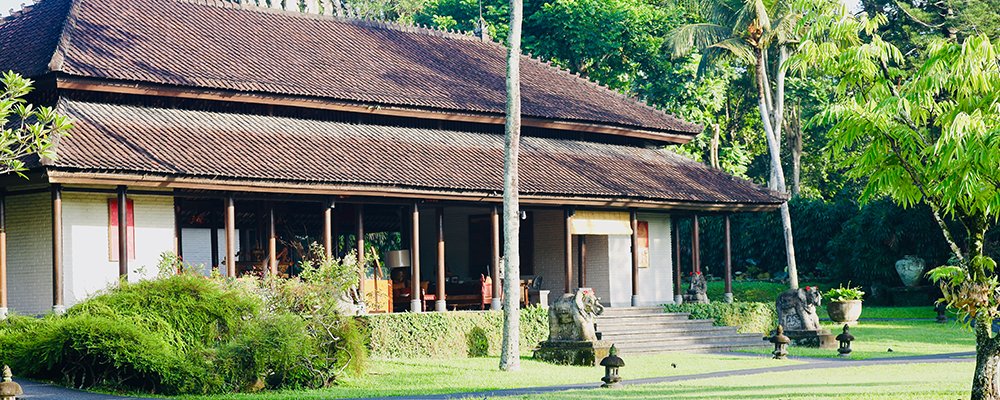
x,y
434,376
905,338
912,381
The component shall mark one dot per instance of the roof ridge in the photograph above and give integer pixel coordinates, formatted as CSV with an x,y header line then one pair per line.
x,y
59,54
364,22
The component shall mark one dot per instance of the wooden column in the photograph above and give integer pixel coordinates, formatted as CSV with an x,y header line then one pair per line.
x,y
495,261
214,243
634,222
675,225
3,256
581,241
416,298
328,229
122,232
230,218
178,229
272,242
695,247
568,242
440,304
359,248
57,237
729,265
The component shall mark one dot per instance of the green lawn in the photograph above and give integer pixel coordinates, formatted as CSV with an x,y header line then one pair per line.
x,y
913,381
429,376
905,338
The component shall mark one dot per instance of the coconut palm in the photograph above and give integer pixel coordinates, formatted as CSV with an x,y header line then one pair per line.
x,y
750,32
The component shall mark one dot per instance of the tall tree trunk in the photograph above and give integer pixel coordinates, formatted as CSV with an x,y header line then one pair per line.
x,y
713,146
985,382
779,184
794,125
510,352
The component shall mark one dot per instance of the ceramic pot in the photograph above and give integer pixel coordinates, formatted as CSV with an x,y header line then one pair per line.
x,y
844,311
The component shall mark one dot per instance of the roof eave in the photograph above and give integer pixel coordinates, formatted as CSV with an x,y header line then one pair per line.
x,y
165,181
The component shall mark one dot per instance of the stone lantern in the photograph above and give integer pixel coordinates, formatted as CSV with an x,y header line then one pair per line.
x,y
845,340
780,344
941,308
611,363
9,390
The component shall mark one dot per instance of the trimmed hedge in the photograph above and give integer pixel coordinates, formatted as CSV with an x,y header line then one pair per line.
x,y
448,334
748,317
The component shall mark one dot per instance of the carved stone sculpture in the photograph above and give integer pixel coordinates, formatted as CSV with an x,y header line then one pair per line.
x,y
572,333
797,309
571,317
698,291
797,313
910,270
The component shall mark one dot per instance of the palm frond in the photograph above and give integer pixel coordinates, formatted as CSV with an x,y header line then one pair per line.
x,y
684,39
738,48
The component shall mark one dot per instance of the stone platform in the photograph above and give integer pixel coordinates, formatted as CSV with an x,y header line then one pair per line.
x,y
584,353
822,339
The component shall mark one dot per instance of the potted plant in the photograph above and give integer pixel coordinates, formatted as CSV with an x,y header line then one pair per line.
x,y
844,304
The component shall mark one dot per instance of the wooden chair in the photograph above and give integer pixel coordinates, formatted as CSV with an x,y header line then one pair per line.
x,y
487,291
426,297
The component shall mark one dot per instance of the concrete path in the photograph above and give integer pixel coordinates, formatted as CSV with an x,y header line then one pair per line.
x,y
35,390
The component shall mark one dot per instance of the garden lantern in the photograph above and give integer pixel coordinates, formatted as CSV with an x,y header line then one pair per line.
x,y
9,390
780,343
611,363
845,340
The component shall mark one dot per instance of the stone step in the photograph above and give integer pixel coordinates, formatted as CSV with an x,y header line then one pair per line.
x,y
684,340
638,318
699,330
708,348
651,325
632,310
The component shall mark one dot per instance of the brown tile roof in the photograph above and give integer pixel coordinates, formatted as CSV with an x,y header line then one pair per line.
x,y
172,142
225,47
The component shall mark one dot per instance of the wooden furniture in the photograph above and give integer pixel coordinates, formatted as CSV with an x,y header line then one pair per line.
x,y
481,297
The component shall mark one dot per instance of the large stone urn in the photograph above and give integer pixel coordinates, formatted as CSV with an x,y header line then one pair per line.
x,y
844,312
910,269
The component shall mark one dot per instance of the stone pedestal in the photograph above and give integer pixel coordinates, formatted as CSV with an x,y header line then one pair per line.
x,y
822,339
914,296
583,353
696,298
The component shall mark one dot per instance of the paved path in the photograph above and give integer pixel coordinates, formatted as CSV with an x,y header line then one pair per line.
x,y
35,390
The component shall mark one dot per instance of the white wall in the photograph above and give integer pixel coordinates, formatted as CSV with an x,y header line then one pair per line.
x,y
87,267
656,283
196,248
29,253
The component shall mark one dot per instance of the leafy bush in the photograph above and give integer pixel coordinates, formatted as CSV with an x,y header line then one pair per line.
x,y
748,317
843,293
448,335
186,334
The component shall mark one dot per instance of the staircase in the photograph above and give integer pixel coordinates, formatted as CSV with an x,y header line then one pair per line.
x,y
636,330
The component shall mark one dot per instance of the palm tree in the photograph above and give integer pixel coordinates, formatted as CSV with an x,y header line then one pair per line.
x,y
744,31
510,353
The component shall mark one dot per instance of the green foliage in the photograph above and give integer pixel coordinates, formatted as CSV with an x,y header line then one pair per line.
x,y
180,334
25,129
844,293
749,317
448,335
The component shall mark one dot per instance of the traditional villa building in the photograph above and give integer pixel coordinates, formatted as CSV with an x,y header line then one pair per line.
x,y
234,136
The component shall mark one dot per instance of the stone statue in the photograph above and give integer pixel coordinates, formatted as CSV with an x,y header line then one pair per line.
x,y
571,316
797,309
698,291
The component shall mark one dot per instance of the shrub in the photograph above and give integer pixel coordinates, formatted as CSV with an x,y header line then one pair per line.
x,y
746,316
186,334
448,335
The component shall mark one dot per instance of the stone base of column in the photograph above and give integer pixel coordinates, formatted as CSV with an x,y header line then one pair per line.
x,y
3,313
415,305
635,300
58,309
495,303
678,299
728,297
440,305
